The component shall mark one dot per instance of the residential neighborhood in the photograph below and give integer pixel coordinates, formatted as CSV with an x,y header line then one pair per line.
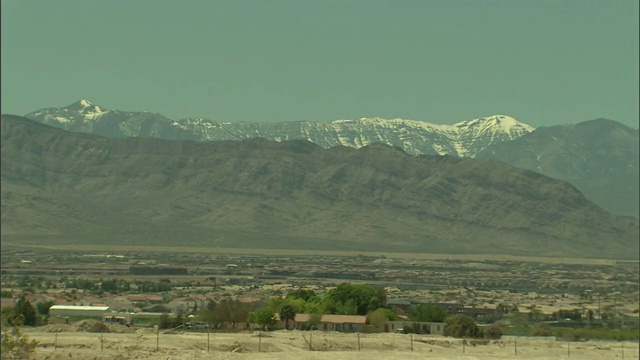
x,y
147,289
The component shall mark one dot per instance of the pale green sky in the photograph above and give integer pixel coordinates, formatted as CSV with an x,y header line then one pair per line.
x,y
442,61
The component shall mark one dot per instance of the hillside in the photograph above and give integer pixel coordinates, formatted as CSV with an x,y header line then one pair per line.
x,y
600,157
59,186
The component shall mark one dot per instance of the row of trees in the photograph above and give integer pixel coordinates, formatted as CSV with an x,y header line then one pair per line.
x,y
346,299
112,286
358,299
227,310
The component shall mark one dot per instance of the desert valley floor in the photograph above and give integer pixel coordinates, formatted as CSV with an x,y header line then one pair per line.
x,y
283,345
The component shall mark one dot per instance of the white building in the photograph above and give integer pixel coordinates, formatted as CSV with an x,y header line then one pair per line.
x,y
78,311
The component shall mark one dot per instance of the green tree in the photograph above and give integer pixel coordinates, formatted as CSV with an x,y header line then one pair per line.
x,y
575,315
287,312
348,307
110,286
427,313
16,345
275,303
493,331
314,307
31,282
226,310
298,305
26,310
43,307
6,313
304,294
354,299
178,320
380,316
535,315
164,321
314,321
541,330
461,326
263,317
209,315
83,284
415,328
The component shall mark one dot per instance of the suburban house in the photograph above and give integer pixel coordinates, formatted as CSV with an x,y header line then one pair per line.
x,y
344,323
141,298
190,304
434,328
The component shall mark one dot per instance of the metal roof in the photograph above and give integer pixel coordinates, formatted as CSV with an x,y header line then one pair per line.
x,y
78,307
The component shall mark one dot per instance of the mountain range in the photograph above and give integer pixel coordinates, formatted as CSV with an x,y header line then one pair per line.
x,y
465,138
67,187
599,157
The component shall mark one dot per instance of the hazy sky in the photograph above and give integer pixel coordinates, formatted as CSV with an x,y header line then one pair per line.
x,y
442,61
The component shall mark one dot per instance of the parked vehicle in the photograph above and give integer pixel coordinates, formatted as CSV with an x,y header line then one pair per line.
x,y
196,325
117,320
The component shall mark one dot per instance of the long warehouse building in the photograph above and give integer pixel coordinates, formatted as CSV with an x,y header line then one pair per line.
x,y
73,310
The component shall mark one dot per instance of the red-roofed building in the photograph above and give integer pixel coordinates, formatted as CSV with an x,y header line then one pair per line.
x,y
346,323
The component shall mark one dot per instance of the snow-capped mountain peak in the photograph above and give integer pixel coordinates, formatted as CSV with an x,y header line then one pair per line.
x,y
85,103
496,123
466,138
80,111
476,134
85,106
504,122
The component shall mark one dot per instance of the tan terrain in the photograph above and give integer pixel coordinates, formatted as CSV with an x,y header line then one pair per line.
x,y
77,342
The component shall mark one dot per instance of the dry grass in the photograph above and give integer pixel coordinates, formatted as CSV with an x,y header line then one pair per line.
x,y
295,252
283,345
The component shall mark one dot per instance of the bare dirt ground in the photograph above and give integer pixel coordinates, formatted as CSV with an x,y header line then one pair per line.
x,y
78,342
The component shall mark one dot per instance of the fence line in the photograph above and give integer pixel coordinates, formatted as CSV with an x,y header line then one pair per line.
x,y
142,340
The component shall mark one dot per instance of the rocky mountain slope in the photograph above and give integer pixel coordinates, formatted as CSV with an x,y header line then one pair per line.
x,y
602,165
465,138
600,157
70,187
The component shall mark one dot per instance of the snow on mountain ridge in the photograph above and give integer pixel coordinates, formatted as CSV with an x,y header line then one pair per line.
x,y
465,138
84,109
504,122
85,103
